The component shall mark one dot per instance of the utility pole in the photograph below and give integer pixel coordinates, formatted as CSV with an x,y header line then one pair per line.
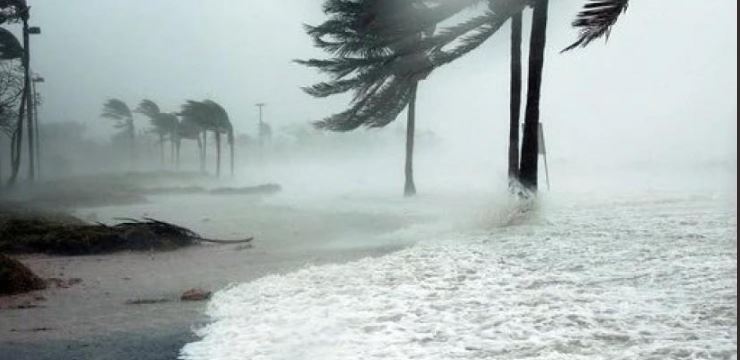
x,y
27,32
34,81
261,125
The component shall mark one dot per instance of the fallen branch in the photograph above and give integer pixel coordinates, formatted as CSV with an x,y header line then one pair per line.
x,y
162,228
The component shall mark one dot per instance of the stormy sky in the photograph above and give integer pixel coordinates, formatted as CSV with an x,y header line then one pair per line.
x,y
662,89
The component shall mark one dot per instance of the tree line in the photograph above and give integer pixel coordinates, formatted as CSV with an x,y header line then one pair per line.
x,y
194,121
381,50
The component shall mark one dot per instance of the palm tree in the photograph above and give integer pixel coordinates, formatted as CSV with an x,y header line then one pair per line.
x,y
378,42
210,116
197,115
165,125
187,129
220,123
374,58
117,110
595,21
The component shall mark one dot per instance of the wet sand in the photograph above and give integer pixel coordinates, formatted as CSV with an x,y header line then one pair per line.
x,y
91,319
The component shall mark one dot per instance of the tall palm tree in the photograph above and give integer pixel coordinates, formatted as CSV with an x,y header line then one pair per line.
x,y
378,42
372,57
594,21
117,110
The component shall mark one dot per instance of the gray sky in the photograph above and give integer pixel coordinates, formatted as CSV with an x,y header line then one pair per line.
x,y
663,88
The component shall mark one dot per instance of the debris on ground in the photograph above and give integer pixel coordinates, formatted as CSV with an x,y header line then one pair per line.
x,y
147,301
16,278
195,295
38,235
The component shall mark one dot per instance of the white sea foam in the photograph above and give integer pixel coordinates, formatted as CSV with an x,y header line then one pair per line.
x,y
631,279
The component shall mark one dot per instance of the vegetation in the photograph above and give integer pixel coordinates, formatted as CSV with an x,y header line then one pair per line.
x,y
34,234
205,116
16,278
381,49
164,125
119,111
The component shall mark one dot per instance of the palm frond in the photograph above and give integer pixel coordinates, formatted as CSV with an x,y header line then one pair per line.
x,y
148,108
596,19
116,109
10,47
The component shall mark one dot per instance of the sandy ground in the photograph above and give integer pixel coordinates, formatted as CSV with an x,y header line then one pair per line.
x,y
91,319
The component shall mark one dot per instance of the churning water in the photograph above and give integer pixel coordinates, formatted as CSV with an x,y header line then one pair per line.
x,y
634,277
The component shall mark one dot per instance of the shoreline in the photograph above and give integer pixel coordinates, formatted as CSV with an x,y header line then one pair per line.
x,y
92,319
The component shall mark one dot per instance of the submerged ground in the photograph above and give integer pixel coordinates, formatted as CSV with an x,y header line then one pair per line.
x,y
647,276
632,274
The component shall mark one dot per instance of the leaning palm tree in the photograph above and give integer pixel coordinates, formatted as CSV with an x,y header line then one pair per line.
x,y
117,110
164,124
383,48
220,124
381,44
188,129
210,116
194,112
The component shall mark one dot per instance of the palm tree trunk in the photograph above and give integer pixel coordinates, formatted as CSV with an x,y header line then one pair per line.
x,y
231,149
410,188
515,96
173,148
177,153
161,150
132,143
200,151
218,154
16,142
204,152
530,146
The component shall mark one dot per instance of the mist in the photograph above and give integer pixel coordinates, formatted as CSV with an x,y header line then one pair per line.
x,y
306,246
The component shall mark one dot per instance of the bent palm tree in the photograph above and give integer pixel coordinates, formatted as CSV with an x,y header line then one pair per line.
x,y
187,129
379,43
117,110
165,125
197,114
207,116
220,124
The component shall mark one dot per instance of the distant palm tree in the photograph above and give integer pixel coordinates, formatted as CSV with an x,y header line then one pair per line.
x,y
196,115
210,116
187,129
220,124
117,110
165,125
